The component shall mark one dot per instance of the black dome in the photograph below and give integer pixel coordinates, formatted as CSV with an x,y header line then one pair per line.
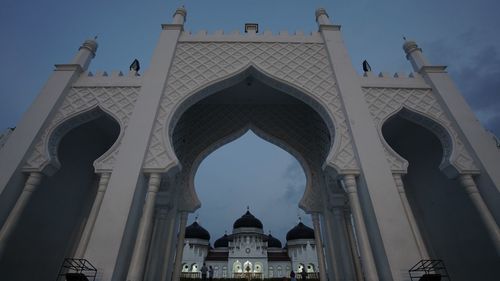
x,y
300,231
222,242
273,242
196,231
247,220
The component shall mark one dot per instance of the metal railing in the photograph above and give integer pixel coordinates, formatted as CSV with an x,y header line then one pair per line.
x,y
248,275
429,270
191,275
77,270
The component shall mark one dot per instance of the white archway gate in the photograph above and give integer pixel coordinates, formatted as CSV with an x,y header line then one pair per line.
x,y
317,108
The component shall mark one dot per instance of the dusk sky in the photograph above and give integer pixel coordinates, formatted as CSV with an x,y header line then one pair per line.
x,y
249,171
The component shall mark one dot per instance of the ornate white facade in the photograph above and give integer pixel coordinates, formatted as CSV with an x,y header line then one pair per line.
x,y
101,166
248,252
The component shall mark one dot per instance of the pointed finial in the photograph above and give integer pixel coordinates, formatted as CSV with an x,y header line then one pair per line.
x,y
95,37
248,208
404,38
300,219
196,218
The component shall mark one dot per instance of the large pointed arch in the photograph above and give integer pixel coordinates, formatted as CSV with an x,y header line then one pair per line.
x,y
243,74
260,118
306,167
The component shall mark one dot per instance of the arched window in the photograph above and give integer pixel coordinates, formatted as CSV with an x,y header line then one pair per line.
x,y
247,266
301,267
194,267
310,268
258,267
237,267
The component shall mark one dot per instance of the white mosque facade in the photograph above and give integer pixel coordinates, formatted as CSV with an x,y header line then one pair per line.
x,y
249,252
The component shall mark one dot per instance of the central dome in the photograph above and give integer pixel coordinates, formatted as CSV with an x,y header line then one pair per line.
x,y
247,220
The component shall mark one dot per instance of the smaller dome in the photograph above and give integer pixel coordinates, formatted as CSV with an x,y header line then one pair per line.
x,y
300,231
222,242
273,242
196,231
247,220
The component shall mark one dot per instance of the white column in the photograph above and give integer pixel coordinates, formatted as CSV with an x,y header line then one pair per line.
x,y
136,269
319,247
155,257
89,226
411,219
367,260
470,186
171,232
30,186
353,246
180,247
343,250
328,230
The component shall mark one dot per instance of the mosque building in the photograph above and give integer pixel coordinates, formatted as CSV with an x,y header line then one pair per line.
x,y
249,252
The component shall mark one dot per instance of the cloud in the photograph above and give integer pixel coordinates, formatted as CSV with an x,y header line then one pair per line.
x,y
474,67
295,182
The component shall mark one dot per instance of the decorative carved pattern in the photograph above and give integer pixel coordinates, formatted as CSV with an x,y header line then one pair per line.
x,y
116,101
198,65
384,102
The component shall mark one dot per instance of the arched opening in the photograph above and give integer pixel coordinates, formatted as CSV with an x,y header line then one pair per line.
x,y
310,268
301,267
277,117
237,267
194,267
51,224
258,267
250,172
252,103
449,223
